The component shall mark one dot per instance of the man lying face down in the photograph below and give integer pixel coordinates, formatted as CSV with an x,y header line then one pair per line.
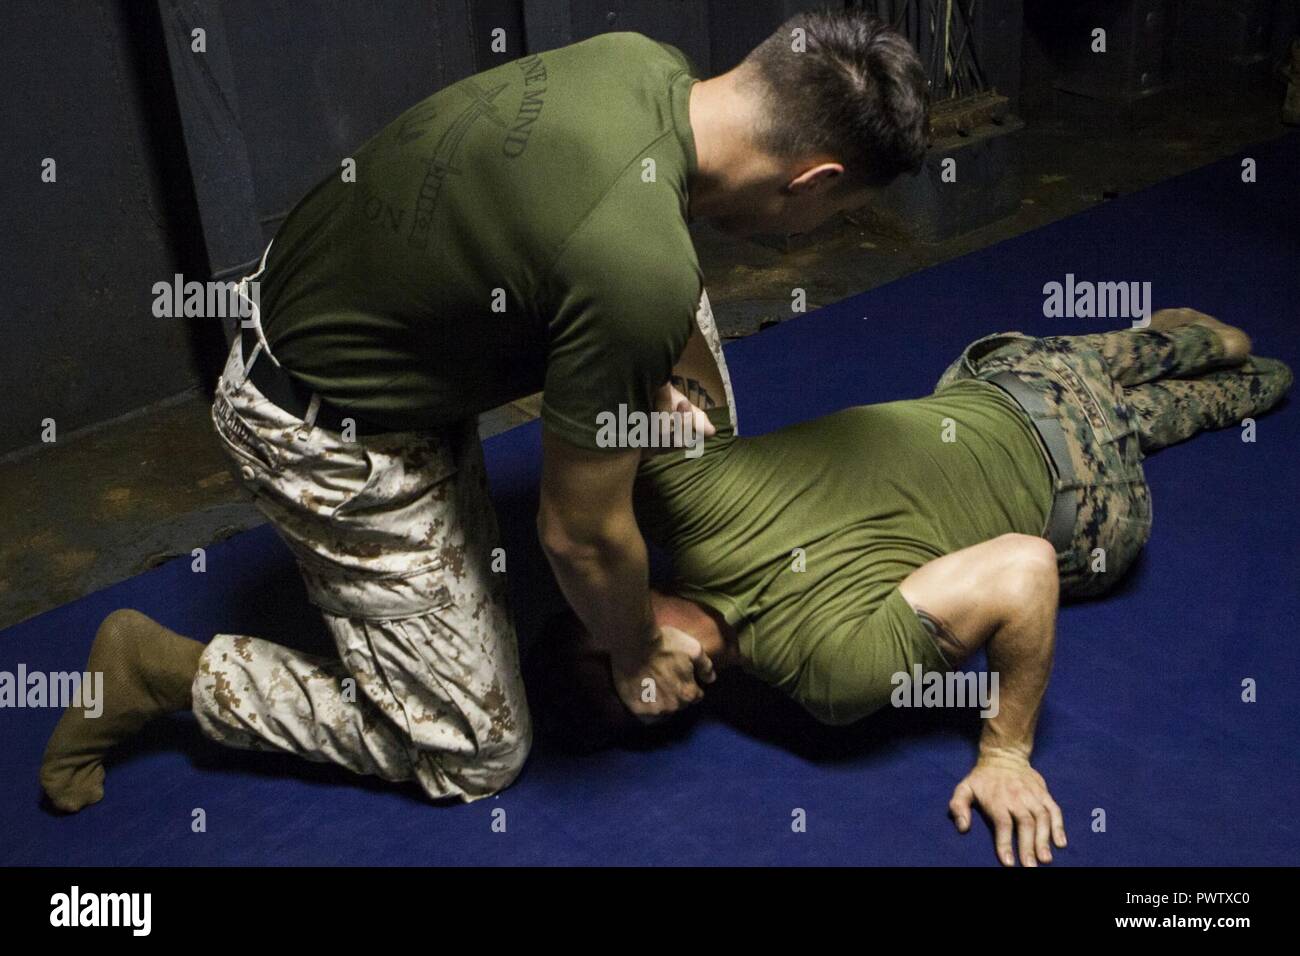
x,y
832,555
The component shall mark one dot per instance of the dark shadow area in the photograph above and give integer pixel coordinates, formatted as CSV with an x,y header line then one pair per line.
x,y
165,149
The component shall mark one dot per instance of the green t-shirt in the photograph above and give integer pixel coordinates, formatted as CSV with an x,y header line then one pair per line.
x,y
522,230
868,495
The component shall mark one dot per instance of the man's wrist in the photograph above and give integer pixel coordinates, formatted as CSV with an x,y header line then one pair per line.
x,y
1004,755
630,654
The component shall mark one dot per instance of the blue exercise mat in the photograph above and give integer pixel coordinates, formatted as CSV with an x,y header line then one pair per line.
x,y
1144,724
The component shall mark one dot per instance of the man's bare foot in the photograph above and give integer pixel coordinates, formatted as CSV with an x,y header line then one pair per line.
x,y
1236,343
147,672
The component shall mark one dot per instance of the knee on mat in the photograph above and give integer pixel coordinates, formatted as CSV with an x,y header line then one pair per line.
x,y
507,755
1105,566
497,763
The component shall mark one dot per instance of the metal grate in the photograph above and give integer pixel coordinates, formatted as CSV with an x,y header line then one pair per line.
x,y
942,31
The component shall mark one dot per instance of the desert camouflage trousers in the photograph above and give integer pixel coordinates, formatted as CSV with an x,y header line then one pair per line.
x,y
1118,396
395,537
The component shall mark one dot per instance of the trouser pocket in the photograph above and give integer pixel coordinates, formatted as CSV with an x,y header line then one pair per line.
x,y
254,458
378,597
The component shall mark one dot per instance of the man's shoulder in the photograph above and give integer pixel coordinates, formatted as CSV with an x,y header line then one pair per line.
x,y
643,248
627,47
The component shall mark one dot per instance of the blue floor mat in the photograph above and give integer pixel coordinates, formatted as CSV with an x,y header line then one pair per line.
x,y
1143,721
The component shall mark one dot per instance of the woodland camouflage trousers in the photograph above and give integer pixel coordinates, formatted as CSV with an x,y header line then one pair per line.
x,y
1118,396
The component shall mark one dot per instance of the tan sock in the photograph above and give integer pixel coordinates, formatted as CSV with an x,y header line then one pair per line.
x,y
147,672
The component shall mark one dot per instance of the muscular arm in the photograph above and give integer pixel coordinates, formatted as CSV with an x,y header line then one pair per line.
x,y
1001,594
591,539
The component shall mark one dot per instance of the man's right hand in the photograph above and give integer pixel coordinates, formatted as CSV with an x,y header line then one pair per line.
x,y
664,676
1014,796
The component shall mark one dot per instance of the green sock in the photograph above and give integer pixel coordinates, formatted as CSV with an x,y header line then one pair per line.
x,y
147,672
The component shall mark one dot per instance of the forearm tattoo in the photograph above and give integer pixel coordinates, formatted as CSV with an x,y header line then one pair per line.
x,y
695,393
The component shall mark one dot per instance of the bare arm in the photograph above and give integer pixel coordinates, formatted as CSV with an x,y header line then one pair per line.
x,y
694,387
696,374
590,536
1002,593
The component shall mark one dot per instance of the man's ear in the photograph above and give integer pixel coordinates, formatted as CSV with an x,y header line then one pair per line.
x,y
821,176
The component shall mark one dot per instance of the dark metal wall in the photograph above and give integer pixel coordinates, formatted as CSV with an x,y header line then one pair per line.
x,y
715,34
87,85
172,161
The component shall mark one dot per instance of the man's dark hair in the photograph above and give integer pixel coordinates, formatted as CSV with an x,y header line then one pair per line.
x,y
857,92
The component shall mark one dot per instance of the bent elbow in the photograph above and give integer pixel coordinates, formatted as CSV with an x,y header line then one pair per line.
x,y
567,545
1029,572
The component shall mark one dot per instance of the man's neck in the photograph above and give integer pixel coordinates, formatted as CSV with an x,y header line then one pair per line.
x,y
724,111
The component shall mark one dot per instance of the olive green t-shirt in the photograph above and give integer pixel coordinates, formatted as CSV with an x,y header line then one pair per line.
x,y
522,230
800,537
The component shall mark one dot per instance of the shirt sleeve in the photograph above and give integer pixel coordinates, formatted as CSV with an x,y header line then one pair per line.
x,y
849,673
625,306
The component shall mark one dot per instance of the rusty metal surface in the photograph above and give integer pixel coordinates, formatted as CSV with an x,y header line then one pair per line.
x,y
961,117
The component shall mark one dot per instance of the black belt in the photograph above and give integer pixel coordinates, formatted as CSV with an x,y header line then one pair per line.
x,y
290,395
1065,506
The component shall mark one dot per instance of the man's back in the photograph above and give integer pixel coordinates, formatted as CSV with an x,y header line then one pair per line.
x,y
870,493
501,237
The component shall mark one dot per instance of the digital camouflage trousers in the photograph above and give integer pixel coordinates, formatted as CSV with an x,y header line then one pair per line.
x,y
1118,396
396,540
